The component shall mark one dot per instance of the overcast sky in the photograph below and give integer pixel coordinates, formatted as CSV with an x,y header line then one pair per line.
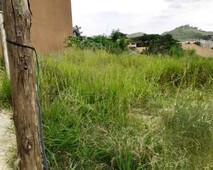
x,y
149,16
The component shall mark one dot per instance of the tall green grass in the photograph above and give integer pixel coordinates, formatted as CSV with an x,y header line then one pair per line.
x,y
126,112
5,89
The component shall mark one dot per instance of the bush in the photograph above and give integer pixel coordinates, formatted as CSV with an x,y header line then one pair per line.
x,y
95,43
197,43
116,44
176,51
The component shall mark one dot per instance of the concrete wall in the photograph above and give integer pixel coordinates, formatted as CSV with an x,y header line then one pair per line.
x,y
51,23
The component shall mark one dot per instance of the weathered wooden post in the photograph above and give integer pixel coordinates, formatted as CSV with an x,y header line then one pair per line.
x,y
17,18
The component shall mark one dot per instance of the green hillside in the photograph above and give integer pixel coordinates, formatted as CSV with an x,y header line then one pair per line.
x,y
186,33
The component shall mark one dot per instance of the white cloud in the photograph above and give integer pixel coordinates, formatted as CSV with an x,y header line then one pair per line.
x,y
153,16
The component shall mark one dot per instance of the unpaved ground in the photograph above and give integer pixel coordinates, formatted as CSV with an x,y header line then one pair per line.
x,y
206,52
202,51
7,139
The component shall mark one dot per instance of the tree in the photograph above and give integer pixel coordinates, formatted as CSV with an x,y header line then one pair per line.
x,y
120,38
156,44
116,35
17,17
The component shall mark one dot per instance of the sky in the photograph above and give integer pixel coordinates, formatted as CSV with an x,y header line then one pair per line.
x,y
98,17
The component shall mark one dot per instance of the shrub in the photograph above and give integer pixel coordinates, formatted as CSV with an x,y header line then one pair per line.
x,y
116,44
197,43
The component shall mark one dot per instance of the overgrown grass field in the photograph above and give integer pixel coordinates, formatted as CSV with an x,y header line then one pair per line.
x,y
125,112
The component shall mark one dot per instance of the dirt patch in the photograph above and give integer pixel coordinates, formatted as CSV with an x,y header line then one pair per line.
x,y
205,52
140,49
7,139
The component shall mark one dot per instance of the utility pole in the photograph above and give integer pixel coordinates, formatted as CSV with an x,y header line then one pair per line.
x,y
17,22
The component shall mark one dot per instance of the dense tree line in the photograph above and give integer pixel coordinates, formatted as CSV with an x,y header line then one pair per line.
x,y
117,42
156,44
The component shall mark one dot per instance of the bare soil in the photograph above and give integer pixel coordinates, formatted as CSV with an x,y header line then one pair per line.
x,y
7,139
205,52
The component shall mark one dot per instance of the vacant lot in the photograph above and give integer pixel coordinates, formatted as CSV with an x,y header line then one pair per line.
x,y
125,112
205,52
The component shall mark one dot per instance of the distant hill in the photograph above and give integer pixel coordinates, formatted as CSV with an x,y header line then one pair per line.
x,y
187,33
137,34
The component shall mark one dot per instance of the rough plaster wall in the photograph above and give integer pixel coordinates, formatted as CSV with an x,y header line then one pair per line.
x,y
51,23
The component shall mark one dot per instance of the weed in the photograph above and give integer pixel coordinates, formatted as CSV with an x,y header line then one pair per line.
x,y
106,111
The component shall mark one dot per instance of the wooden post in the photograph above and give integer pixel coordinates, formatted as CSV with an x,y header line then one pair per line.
x,y
17,18
4,44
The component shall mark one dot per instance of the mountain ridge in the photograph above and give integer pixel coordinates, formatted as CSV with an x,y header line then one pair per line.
x,y
183,33
136,34
188,33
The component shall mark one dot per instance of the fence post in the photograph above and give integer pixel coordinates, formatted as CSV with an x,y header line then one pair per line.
x,y
17,22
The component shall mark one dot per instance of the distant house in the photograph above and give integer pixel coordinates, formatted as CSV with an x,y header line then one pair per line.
x,y
206,43
202,43
51,23
189,42
132,45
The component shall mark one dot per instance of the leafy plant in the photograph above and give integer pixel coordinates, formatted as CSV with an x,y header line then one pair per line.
x,y
116,44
